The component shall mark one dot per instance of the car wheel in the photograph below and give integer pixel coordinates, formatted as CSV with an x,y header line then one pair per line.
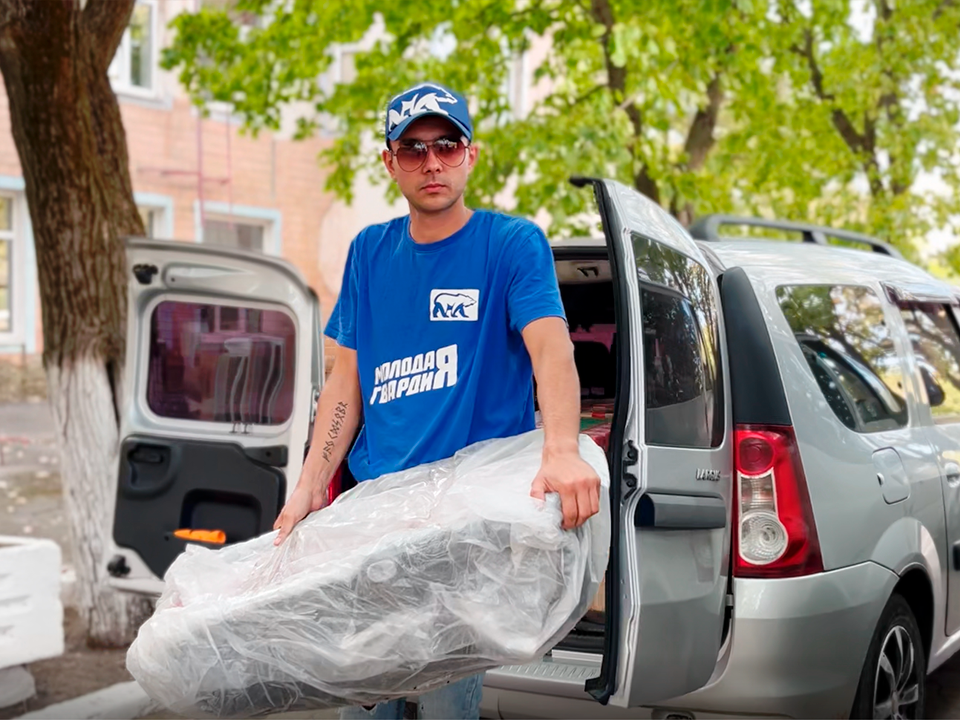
x,y
893,679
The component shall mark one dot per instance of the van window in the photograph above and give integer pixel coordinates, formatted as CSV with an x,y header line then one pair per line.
x,y
845,340
221,363
681,331
933,334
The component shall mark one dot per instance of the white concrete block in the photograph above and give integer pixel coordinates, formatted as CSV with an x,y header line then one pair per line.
x,y
31,613
16,685
117,702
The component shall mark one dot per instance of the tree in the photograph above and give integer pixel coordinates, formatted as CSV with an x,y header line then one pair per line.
x,y
868,98
633,90
783,107
66,122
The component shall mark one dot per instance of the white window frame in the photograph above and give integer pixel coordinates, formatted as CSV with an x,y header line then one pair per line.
x,y
267,218
17,334
119,72
162,205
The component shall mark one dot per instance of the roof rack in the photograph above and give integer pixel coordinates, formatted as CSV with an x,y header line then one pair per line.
x,y
707,228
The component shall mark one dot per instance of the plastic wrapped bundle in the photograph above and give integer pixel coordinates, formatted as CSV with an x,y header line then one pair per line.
x,y
405,583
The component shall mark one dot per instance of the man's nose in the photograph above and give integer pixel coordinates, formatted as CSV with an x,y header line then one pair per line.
x,y
432,163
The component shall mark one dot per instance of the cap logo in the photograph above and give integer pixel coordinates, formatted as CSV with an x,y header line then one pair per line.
x,y
418,104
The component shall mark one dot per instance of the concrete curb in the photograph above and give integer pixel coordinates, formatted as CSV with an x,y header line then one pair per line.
x,y
122,701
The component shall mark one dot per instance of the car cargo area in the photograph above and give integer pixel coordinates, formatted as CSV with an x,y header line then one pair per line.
x,y
586,288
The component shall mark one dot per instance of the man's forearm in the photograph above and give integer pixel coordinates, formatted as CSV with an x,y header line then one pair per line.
x,y
558,392
338,415
559,396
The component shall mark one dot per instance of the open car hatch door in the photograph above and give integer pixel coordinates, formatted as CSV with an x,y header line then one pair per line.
x,y
223,368
672,478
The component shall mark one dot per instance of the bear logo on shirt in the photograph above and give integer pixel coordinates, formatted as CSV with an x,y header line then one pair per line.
x,y
454,304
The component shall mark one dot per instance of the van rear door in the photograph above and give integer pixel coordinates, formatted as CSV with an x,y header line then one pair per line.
x,y
672,478
219,345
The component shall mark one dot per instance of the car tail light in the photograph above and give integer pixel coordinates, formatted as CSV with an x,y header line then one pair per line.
x,y
774,532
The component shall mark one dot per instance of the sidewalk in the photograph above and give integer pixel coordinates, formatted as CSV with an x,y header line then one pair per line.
x,y
31,505
30,490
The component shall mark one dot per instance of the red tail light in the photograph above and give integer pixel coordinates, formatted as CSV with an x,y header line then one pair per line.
x,y
774,532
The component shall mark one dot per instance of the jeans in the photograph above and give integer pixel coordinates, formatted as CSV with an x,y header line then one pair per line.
x,y
456,701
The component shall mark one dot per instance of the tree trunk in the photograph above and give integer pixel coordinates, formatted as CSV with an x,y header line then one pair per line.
x,y
69,135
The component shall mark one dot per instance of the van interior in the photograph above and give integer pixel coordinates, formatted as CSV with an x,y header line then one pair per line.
x,y
586,289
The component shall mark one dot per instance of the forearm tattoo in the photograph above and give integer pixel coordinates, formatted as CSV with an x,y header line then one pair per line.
x,y
339,415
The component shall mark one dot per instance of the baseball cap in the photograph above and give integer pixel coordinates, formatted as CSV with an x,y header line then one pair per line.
x,y
422,101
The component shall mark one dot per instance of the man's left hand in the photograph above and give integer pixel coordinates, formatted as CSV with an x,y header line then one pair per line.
x,y
575,481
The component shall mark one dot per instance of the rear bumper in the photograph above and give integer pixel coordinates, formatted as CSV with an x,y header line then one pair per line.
x,y
796,649
797,646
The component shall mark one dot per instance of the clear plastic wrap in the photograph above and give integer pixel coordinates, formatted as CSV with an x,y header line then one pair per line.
x,y
405,583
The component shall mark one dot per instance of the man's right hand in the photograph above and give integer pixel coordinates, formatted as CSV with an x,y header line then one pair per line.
x,y
304,500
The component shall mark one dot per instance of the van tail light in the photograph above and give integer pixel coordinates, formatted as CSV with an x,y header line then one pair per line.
x,y
774,531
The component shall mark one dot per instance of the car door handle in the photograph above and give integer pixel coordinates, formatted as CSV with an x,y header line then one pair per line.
x,y
952,471
681,512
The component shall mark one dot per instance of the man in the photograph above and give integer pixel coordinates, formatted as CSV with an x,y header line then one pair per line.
x,y
443,318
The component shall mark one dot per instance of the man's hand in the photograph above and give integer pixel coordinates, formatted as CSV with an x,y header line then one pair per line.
x,y
575,481
305,499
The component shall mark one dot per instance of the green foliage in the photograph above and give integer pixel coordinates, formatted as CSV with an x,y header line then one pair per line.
x,y
773,107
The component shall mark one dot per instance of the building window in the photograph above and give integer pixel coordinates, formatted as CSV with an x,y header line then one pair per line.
x,y
6,265
236,235
151,221
133,67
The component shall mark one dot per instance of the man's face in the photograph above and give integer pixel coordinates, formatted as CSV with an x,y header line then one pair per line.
x,y
438,183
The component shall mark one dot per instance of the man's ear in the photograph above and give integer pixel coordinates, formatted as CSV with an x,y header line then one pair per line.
x,y
472,152
388,163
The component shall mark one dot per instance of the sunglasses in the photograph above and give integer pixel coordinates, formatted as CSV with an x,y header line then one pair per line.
x,y
412,155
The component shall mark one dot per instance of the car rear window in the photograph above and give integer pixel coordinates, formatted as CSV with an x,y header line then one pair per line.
x,y
848,346
221,363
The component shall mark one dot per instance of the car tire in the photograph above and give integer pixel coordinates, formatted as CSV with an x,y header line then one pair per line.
x,y
893,679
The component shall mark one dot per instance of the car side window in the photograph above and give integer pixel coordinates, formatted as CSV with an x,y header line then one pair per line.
x,y
936,343
845,340
681,343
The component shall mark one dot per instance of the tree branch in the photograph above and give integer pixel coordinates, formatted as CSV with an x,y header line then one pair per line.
x,y
700,139
106,20
617,82
863,145
847,131
889,101
942,7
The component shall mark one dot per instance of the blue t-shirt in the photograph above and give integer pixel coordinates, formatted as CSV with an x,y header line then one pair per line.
x,y
437,331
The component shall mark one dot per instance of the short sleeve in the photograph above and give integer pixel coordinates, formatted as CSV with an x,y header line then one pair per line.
x,y
342,325
533,291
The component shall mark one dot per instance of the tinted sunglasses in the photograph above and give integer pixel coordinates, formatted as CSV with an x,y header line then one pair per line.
x,y
412,155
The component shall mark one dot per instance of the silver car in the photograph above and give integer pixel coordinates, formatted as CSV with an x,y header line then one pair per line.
x,y
783,427
786,436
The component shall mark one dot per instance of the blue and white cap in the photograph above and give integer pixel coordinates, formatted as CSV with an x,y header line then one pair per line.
x,y
422,101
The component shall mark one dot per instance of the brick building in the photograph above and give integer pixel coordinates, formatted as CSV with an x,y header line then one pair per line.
x,y
263,193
